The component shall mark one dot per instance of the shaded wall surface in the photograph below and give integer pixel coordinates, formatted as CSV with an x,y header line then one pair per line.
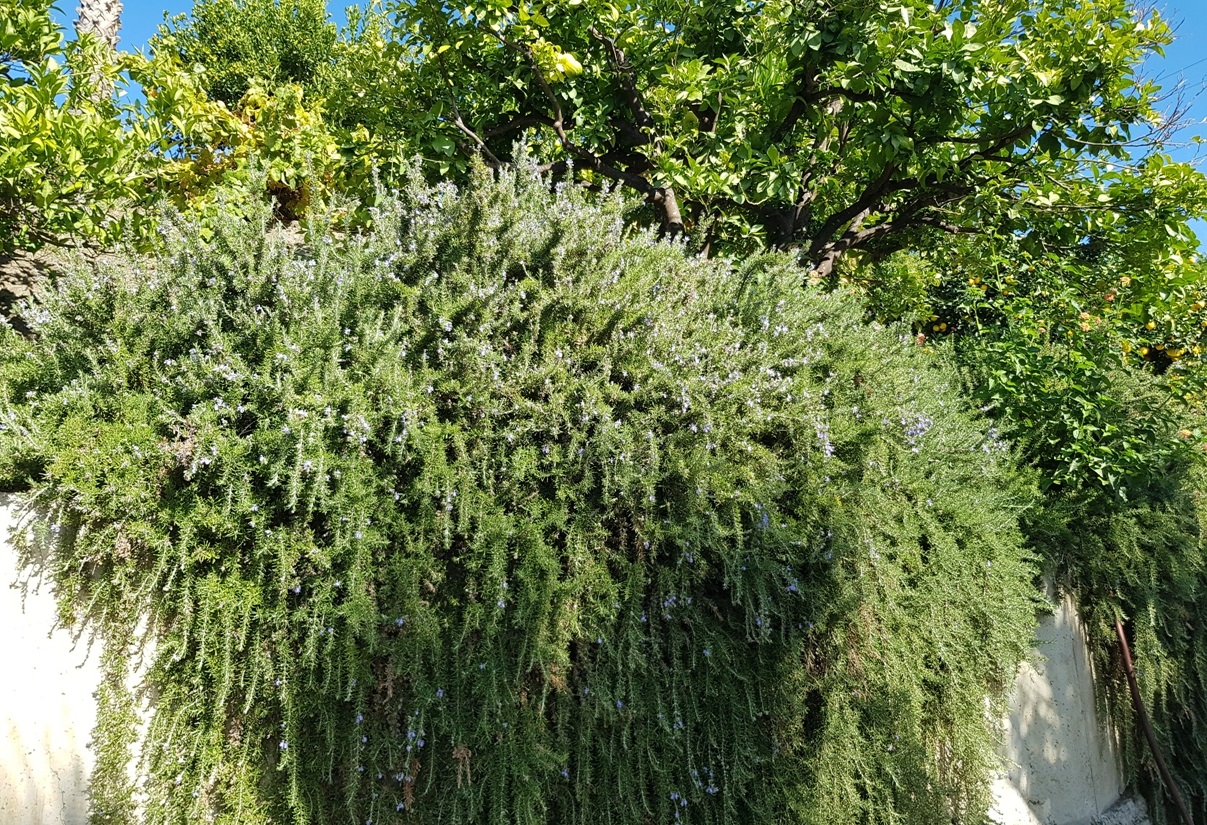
x,y
1061,764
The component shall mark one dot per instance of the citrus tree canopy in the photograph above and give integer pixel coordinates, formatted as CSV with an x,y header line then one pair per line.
x,y
817,125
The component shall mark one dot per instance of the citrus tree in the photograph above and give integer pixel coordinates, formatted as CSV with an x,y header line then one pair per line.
x,y
821,127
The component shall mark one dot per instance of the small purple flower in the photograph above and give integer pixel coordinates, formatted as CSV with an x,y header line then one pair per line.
x,y
439,693
359,718
400,621
619,705
707,652
283,745
823,440
915,428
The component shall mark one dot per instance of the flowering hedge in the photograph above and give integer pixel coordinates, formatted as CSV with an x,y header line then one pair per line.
x,y
501,513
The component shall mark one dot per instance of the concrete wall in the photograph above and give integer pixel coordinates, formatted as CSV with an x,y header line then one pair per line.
x,y
46,703
1061,766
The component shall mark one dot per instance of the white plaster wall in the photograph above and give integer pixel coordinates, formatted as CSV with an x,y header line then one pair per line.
x,y
46,705
1061,765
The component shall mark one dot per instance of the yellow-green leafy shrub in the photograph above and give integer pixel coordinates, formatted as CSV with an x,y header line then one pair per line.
x,y
67,166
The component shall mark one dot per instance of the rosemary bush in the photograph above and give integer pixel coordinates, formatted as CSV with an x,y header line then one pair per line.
x,y
502,514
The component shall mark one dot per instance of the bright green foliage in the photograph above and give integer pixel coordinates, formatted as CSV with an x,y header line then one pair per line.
x,y
1050,348
241,43
1146,562
65,162
1061,346
1046,340
1071,410
501,514
204,146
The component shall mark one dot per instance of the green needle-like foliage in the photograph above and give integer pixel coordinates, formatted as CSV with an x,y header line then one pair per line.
x,y
503,514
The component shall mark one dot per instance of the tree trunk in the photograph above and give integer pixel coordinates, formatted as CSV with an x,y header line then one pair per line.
x,y
102,19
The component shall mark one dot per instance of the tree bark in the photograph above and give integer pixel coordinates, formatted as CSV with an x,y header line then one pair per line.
x,y
101,19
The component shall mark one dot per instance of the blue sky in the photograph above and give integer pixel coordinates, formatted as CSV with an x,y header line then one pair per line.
x,y
1184,72
1184,69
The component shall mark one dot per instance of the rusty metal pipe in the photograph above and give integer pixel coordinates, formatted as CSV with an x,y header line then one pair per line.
x,y
1142,714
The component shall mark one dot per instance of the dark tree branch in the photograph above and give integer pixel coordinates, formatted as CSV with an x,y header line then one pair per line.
x,y
870,196
947,226
806,84
825,250
996,145
911,214
709,117
515,125
628,84
807,192
478,142
459,123
1171,787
